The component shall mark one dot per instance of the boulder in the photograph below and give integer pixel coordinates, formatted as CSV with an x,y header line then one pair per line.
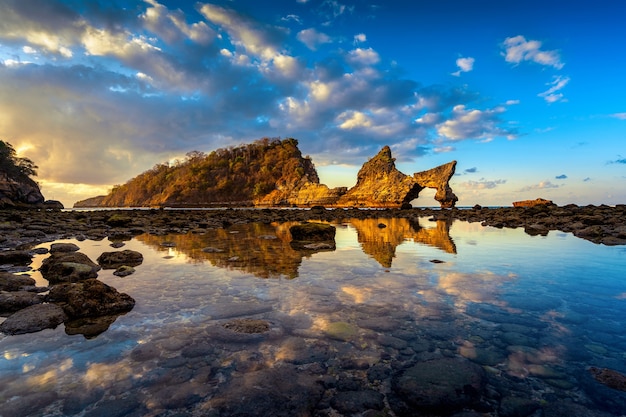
x,y
68,267
33,319
19,191
113,260
90,298
15,257
533,203
439,386
63,247
17,300
312,236
13,282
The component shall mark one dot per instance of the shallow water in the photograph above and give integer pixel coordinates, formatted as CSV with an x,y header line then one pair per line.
x,y
535,312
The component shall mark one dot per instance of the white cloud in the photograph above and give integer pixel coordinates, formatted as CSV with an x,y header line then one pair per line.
x,y
553,95
171,25
542,185
482,184
354,119
465,65
363,56
312,38
518,49
473,124
360,38
621,116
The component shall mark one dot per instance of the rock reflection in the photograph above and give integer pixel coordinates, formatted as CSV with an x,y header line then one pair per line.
x,y
379,238
264,250
90,327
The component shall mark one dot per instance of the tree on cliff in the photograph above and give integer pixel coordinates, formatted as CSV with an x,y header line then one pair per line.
x,y
13,165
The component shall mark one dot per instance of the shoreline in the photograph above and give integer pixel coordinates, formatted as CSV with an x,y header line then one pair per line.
x,y
23,229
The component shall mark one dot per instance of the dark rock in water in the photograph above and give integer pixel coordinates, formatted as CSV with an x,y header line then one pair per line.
x,y
312,236
33,319
113,260
569,408
63,247
53,205
13,282
312,232
17,300
247,326
90,327
90,298
609,377
352,402
15,257
124,271
440,386
68,267
516,406
280,391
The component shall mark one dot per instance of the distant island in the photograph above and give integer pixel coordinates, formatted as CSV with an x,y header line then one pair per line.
x,y
271,173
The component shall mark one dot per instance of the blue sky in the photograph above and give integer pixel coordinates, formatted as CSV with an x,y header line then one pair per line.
x,y
528,97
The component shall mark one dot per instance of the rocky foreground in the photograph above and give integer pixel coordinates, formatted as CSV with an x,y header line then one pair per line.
x,y
20,230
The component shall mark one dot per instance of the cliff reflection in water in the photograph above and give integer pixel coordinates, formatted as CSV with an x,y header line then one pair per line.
x,y
264,249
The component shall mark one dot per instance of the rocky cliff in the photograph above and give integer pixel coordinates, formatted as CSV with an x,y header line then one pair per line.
x,y
272,174
18,192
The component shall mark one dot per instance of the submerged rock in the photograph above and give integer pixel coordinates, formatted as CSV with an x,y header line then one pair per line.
x,y
609,377
33,319
247,326
440,386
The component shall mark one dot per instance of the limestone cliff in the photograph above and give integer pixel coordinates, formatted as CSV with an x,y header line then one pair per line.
x,y
380,184
438,178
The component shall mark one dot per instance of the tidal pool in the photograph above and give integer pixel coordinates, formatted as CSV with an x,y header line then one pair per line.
x,y
532,313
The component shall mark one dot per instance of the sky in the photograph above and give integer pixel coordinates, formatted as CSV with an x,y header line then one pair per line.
x,y
528,97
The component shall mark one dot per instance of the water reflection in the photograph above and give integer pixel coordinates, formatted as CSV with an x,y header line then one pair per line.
x,y
264,249
345,329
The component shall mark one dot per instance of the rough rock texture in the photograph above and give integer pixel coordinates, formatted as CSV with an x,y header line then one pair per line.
x,y
12,282
609,377
312,236
18,192
114,260
90,298
68,267
17,300
533,203
33,319
380,184
440,386
438,178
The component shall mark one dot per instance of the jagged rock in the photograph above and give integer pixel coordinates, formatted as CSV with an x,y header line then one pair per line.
x,y
90,298
380,184
33,319
438,178
533,203
68,267
19,192
114,260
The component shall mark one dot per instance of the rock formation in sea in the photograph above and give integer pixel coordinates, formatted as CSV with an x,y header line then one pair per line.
x,y
272,173
533,203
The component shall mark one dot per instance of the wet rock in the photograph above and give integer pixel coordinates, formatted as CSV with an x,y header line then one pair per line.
x,y
13,282
17,300
33,319
124,271
312,234
63,247
15,257
247,326
113,260
90,327
28,405
90,298
280,391
68,267
352,402
609,377
439,386
341,331
517,407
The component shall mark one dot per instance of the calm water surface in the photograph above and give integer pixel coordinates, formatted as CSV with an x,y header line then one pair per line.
x,y
535,312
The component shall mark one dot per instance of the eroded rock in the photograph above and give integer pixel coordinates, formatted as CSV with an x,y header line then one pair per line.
x,y
90,298
68,267
114,260
33,319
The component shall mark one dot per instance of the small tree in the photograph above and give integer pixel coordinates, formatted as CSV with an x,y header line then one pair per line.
x,y
14,165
